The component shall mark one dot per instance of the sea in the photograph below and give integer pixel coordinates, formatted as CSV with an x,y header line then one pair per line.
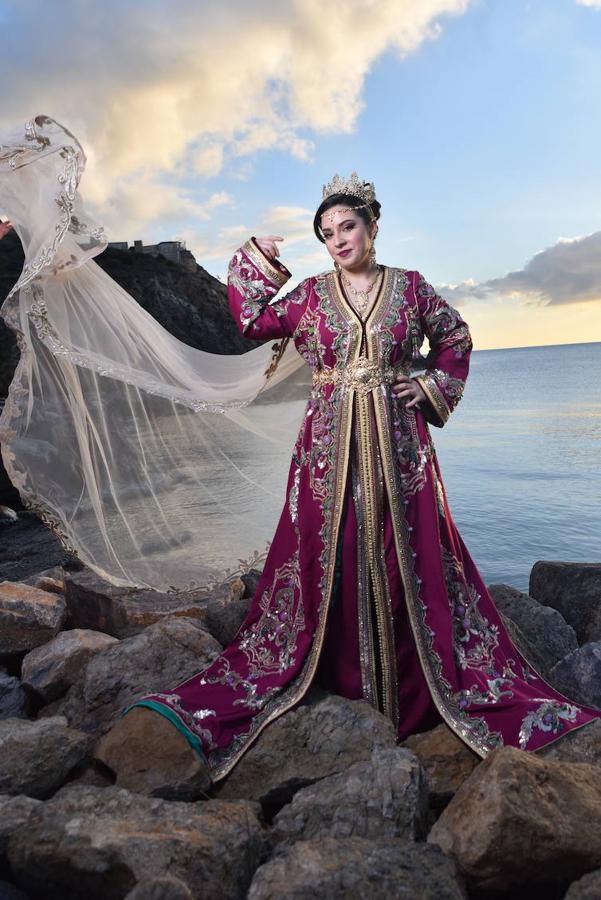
x,y
521,459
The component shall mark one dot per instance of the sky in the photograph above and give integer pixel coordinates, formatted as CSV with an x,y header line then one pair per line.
x,y
478,121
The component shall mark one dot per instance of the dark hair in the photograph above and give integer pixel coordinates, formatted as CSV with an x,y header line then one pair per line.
x,y
344,200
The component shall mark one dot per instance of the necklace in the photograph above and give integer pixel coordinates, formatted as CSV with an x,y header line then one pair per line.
x,y
361,297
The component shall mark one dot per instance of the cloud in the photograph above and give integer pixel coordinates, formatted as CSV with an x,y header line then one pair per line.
x,y
567,272
596,4
187,89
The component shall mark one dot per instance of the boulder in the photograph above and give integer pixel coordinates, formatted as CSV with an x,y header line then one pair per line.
x,y
14,812
96,604
52,668
578,675
163,655
150,756
52,579
536,660
10,892
520,819
446,759
161,888
574,589
7,515
28,617
542,626
36,757
383,797
100,843
28,547
223,616
586,888
13,701
356,869
579,745
320,737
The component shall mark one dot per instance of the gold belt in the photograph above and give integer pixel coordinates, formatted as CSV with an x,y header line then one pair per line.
x,y
362,375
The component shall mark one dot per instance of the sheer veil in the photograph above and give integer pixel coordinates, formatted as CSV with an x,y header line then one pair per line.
x,y
158,464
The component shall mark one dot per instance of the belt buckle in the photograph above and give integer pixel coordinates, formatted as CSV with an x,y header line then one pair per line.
x,y
363,375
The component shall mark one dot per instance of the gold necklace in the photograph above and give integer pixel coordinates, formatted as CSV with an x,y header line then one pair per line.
x,y
362,297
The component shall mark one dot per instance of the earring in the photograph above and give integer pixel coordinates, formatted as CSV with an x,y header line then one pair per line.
x,y
337,266
372,254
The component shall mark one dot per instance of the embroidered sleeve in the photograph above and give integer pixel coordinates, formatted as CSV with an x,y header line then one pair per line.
x,y
451,344
252,284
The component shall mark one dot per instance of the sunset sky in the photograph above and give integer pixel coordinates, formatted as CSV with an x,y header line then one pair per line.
x,y
479,122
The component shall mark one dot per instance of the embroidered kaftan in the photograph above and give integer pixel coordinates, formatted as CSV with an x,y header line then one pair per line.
x,y
367,588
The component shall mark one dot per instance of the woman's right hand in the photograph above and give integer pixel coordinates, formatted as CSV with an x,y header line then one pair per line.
x,y
5,227
268,245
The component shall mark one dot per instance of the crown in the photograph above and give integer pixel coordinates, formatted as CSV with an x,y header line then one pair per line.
x,y
363,189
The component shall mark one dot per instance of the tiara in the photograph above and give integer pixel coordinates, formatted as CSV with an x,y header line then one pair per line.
x,y
363,189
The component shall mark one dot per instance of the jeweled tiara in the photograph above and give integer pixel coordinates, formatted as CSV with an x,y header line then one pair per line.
x,y
363,189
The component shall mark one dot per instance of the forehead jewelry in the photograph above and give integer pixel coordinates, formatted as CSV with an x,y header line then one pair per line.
x,y
329,214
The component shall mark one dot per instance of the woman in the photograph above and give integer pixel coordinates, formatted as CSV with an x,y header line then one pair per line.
x,y
121,438
368,587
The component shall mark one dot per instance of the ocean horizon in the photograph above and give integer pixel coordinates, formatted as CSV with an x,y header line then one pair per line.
x,y
520,458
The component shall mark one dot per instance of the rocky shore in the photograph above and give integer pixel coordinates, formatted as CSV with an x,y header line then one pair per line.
x,y
324,804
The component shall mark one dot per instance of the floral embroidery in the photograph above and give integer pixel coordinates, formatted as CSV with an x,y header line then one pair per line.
x,y
412,454
551,715
270,643
475,639
248,280
493,693
451,387
227,676
307,338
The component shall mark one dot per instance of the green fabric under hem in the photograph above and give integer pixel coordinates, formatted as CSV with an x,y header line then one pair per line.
x,y
174,719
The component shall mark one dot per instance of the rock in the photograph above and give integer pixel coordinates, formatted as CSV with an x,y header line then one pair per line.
x,y
123,612
28,546
574,589
36,757
96,604
51,669
542,626
10,892
578,675
12,697
383,797
100,843
446,759
586,888
163,655
7,515
322,737
14,812
52,579
579,745
28,617
513,794
91,772
150,756
536,659
52,709
222,617
357,869
162,888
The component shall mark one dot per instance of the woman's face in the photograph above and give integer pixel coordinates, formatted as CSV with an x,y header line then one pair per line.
x,y
348,238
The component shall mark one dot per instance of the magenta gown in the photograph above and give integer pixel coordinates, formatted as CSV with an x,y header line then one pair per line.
x,y
368,588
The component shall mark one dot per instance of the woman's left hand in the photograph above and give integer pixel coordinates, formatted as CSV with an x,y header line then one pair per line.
x,y
408,389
